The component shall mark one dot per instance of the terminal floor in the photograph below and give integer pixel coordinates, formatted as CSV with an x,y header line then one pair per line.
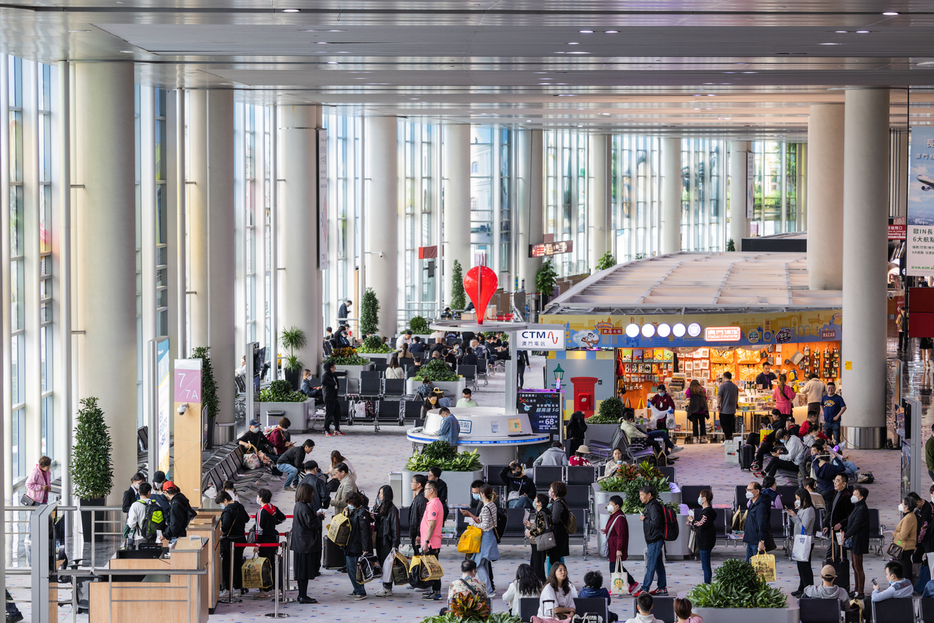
x,y
374,455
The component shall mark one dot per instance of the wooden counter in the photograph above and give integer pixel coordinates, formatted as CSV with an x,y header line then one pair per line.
x,y
169,598
207,525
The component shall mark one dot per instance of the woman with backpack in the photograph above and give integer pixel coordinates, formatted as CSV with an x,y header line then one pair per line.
x,y
560,516
180,513
489,551
267,518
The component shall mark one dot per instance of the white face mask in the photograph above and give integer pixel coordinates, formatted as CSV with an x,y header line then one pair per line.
x,y
700,501
610,508
749,495
797,503
854,499
901,508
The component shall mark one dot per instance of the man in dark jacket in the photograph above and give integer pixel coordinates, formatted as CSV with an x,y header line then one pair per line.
x,y
520,489
360,540
343,312
313,477
838,506
417,509
234,519
522,362
180,513
292,462
332,409
856,537
434,475
826,469
132,494
653,527
758,530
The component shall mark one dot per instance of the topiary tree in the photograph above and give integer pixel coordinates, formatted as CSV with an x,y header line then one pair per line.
x,y
369,312
607,261
458,296
209,397
545,280
611,409
91,466
730,245
419,326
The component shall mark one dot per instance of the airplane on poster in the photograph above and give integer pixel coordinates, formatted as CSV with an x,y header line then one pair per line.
x,y
926,182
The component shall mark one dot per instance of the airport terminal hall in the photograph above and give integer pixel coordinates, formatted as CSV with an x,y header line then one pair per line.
x,y
467,311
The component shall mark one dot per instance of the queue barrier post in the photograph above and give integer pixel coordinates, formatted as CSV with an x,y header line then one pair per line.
x,y
275,569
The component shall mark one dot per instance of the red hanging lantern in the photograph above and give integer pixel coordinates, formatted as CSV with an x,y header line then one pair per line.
x,y
480,283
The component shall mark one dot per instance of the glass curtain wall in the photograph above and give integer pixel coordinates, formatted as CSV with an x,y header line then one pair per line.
x,y
566,196
635,188
780,172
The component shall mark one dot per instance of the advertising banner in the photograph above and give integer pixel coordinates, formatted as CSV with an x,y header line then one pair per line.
x,y
538,339
163,413
543,408
690,330
920,235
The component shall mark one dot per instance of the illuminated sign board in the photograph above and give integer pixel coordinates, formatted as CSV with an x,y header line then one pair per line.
x,y
551,248
723,334
540,339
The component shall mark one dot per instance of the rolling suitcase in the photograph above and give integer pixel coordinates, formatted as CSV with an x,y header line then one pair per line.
x,y
332,554
746,455
836,557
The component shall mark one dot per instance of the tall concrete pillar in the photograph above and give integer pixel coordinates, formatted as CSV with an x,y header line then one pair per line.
x,y
825,196
300,279
531,221
671,196
598,198
455,162
739,226
212,236
382,218
865,219
105,248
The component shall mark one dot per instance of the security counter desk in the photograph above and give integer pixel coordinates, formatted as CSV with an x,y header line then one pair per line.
x,y
207,524
177,593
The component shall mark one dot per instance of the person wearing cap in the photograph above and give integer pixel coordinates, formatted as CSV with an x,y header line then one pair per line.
x,y
579,459
158,482
450,428
255,437
467,399
826,589
180,513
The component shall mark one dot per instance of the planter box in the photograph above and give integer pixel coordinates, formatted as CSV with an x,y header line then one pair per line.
x,y
600,432
458,486
601,497
374,356
788,614
675,550
353,372
297,412
452,389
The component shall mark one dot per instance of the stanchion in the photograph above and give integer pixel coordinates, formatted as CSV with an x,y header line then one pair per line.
x,y
276,614
230,583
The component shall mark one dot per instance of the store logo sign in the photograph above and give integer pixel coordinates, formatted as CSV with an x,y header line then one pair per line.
x,y
537,339
723,334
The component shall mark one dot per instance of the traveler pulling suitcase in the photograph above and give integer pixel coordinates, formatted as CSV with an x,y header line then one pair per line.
x,y
836,557
333,555
746,455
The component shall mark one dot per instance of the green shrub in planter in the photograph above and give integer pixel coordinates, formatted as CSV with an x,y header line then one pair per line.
x,y
347,357
91,466
458,296
369,312
279,391
610,412
374,345
436,371
736,585
441,454
419,326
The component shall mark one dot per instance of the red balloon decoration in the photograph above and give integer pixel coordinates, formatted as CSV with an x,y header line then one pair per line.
x,y
480,283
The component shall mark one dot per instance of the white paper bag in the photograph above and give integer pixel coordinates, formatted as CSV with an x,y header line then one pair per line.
x,y
387,567
802,548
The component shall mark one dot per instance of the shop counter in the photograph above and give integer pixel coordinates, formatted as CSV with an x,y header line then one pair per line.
x,y
176,594
207,525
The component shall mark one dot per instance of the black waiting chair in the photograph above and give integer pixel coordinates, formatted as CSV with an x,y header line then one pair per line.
x,y
389,411
403,520
819,610
528,608
690,493
788,495
412,409
394,388
578,496
663,609
592,605
470,375
927,609
668,472
492,475
876,531
380,366
739,499
371,374
899,610
370,386
546,474
582,475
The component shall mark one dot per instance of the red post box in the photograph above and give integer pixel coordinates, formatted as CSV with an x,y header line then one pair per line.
x,y
584,394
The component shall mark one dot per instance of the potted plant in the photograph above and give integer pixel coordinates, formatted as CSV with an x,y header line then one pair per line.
x,y
91,466
347,360
281,397
545,282
603,424
293,339
460,469
440,376
369,313
374,347
738,594
607,261
419,326
451,617
458,295
209,399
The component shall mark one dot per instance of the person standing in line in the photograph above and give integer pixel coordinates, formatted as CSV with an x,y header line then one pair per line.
x,y
489,551
417,509
653,527
332,408
268,517
434,475
617,536
306,529
522,362
856,537
804,521
765,378
814,391
929,453
347,486
727,398
906,535
698,412
39,484
136,524
359,542
705,531
37,478
320,501
758,532
388,531
430,534
540,524
783,394
180,513
834,406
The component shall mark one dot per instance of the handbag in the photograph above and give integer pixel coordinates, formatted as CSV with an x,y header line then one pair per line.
x,y
368,568
692,542
257,573
545,541
894,551
801,550
618,580
764,565
469,542
605,546
25,500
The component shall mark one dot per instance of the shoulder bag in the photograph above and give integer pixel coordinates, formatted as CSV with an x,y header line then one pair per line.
x,y
546,540
605,546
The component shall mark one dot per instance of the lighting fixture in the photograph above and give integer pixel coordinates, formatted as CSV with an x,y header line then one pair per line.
x,y
337,31
663,330
332,62
573,43
711,95
828,44
694,329
648,330
862,32
632,330
559,374
126,51
586,32
890,13
611,32
578,52
79,31
321,42
290,10
841,32
565,95
679,330
528,121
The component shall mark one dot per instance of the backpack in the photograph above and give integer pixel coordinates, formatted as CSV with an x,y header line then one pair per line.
x,y
500,527
671,523
571,525
153,520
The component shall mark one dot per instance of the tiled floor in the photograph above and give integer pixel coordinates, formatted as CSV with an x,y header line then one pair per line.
x,y
375,455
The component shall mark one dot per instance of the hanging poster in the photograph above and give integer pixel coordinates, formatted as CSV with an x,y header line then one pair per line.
x,y
322,199
920,256
164,414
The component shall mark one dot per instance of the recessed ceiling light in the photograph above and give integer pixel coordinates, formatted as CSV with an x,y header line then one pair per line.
x,y
528,121
729,72
711,95
332,62
750,72
546,78
559,52
708,83
841,32
565,95
127,51
611,32
605,113
544,84
891,13
309,30
290,10
862,32
573,43
337,31
586,32
321,42
828,44
578,52
926,63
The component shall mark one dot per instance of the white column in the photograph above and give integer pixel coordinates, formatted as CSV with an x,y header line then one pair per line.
x,y
105,246
865,216
211,238
382,218
671,196
300,279
531,223
739,227
598,197
825,196
455,162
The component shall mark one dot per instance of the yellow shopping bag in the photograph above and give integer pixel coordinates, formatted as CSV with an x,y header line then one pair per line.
x,y
764,564
470,541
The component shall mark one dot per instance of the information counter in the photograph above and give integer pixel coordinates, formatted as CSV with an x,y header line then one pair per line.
x,y
176,594
207,525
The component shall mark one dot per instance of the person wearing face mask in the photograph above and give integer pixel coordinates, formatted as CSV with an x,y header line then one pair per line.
x,y
267,518
628,426
292,462
255,437
234,519
320,500
758,532
305,541
662,402
899,584
617,537
388,531
906,535
540,524
727,398
803,520
129,496
347,486
839,507
520,489
705,531
794,453
856,537
359,542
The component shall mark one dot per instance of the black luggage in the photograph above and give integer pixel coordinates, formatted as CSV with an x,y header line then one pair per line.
x,y
836,557
746,455
332,554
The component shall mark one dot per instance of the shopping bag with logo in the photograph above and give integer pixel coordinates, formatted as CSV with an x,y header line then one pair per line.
x,y
414,575
368,568
618,581
339,529
469,542
801,550
400,568
764,564
430,569
257,573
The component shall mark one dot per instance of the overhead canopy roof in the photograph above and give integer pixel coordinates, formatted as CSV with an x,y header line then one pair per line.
x,y
699,283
